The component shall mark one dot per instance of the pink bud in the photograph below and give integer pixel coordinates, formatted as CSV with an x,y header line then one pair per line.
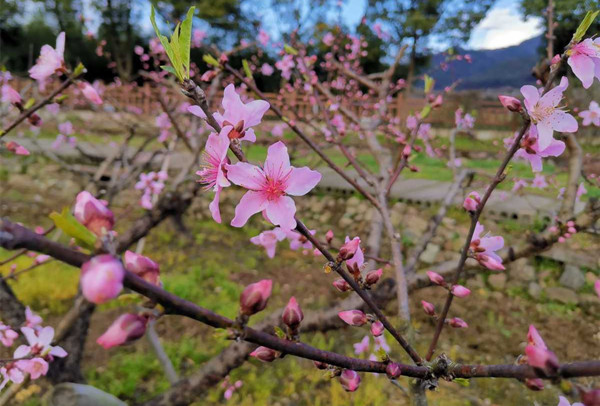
x,y
428,307
143,267
436,278
597,287
320,365
373,277
350,380
90,212
264,354
255,297
126,328
292,314
16,148
377,328
89,92
329,236
535,384
570,223
511,103
406,151
561,239
534,338
555,59
102,278
393,370
472,201
572,230
341,285
458,323
437,102
349,249
541,358
460,291
591,397
353,317
489,262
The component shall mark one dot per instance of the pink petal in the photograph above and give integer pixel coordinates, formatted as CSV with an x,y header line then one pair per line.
x,y
197,111
45,336
555,95
250,204
544,129
563,122
60,44
531,94
214,206
249,136
556,148
583,68
302,180
29,333
281,212
246,175
58,352
492,243
254,112
21,351
277,163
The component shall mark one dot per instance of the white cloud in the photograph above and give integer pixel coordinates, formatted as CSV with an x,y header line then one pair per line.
x,y
503,27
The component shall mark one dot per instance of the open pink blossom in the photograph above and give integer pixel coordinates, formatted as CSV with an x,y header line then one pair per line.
x,y
531,151
519,184
39,344
126,328
539,182
266,69
362,346
32,319
10,95
485,249
50,60
102,278
538,354
269,239
269,187
240,116
592,115
35,367
212,173
563,401
7,335
89,92
545,114
263,37
584,59
285,65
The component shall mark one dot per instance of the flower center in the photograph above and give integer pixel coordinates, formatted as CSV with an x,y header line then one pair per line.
x,y
274,188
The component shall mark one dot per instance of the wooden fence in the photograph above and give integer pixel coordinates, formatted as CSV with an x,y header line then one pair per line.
x,y
143,99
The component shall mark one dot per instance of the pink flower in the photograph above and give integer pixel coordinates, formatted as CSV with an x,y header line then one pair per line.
x,y
264,354
511,103
436,278
269,187
530,149
592,115
277,130
457,322
485,249
255,296
93,214
472,201
266,69
539,181
143,267
460,291
35,367
597,287
563,401
268,239
212,173
126,328
584,59
7,335
393,370
328,39
263,37
292,314
89,92
16,148
238,115
329,236
102,278
381,344
32,320
285,65
39,344
197,37
298,241
429,308
362,346
519,184
353,317
50,60
538,354
65,128
545,114
10,95
377,328
350,380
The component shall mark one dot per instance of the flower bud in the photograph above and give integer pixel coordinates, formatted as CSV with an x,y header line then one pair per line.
x,y
591,397
541,358
16,148
102,278
349,249
90,212
89,92
264,354
436,278
353,317
535,384
329,236
373,277
377,328
437,102
555,59
489,262
406,151
460,291
597,287
126,328
143,267
458,323
292,314
10,95
341,285
350,380
393,370
428,307
472,201
511,103
320,365
255,297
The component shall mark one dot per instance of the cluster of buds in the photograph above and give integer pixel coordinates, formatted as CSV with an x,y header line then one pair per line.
x,y
471,202
93,214
454,289
358,318
570,230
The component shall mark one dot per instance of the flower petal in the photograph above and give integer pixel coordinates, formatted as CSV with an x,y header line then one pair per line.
x,y
281,212
302,180
277,163
246,175
214,206
583,68
531,94
250,204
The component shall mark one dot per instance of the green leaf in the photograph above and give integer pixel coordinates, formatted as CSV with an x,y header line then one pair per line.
x,y
425,112
429,83
165,43
209,59
290,50
185,41
73,228
29,103
462,382
279,332
169,69
247,69
79,70
585,24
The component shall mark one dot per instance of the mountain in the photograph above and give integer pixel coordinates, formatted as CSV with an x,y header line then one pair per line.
x,y
503,67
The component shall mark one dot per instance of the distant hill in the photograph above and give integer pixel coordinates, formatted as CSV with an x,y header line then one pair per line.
x,y
504,67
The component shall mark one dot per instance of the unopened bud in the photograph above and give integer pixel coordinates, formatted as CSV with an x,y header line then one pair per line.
x,y
143,267
393,370
436,278
458,323
93,214
255,297
353,317
264,354
126,328
341,285
377,328
350,380
292,314
460,291
591,397
348,250
102,278
511,103
535,384
472,201
320,365
428,307
373,277
329,236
